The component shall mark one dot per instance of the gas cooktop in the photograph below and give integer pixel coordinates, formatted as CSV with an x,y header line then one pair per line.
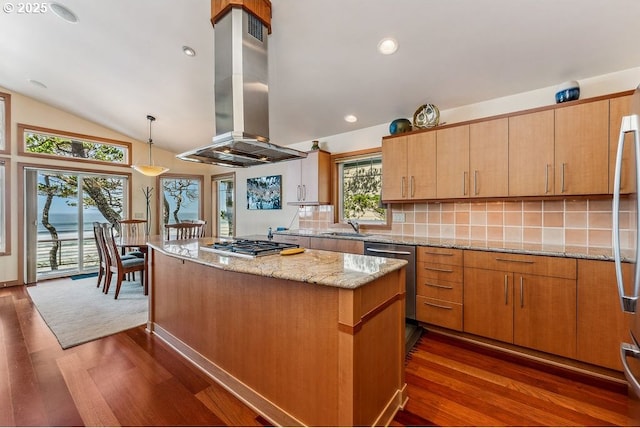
x,y
247,247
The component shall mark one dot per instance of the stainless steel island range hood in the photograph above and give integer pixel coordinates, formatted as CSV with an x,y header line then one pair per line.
x,y
241,96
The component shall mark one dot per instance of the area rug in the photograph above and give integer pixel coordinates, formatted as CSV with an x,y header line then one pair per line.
x,y
78,312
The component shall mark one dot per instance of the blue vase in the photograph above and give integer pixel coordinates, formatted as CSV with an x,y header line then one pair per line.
x,y
399,126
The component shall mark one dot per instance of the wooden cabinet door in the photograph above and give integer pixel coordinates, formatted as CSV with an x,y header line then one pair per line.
x,y
489,158
394,169
488,303
582,149
602,326
421,165
545,314
531,152
452,162
293,186
619,107
315,177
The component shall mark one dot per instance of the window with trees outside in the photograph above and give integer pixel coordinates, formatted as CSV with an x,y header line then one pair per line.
x,y
181,199
37,141
359,189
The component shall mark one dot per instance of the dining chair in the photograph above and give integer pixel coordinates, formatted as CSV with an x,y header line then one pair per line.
x,y
119,265
185,230
130,229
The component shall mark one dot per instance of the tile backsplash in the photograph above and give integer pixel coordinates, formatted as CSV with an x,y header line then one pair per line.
x,y
574,224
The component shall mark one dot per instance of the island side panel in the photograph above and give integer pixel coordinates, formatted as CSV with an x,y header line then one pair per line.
x,y
278,337
372,343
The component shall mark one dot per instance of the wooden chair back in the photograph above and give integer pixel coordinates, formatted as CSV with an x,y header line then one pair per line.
x,y
185,230
132,228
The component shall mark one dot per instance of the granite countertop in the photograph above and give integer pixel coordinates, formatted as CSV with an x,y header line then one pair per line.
x,y
312,266
505,247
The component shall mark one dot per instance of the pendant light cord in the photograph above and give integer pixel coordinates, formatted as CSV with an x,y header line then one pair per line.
x,y
151,119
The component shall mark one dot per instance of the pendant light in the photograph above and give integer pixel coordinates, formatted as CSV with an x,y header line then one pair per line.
x,y
150,169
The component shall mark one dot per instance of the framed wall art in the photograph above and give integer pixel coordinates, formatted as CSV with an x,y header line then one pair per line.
x,y
264,193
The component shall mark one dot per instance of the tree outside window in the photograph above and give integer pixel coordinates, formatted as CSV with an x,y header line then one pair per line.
x,y
180,199
361,186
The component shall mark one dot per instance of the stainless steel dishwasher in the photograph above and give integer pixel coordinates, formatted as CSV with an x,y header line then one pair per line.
x,y
405,252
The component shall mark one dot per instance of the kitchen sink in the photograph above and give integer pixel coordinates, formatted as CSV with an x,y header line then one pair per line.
x,y
347,234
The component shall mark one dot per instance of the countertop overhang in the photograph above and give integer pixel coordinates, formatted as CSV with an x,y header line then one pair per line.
x,y
312,266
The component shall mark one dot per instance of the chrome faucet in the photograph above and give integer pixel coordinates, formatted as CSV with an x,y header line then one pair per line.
x,y
354,225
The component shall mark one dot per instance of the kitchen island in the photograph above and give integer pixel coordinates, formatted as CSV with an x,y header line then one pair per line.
x,y
315,338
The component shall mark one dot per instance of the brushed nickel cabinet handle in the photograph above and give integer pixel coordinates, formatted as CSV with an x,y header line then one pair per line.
x,y
402,187
506,289
412,185
304,192
438,254
475,182
438,269
521,292
446,287
464,183
562,185
546,178
498,259
438,306
299,192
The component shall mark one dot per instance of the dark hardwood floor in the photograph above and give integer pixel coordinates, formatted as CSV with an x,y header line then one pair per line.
x,y
133,379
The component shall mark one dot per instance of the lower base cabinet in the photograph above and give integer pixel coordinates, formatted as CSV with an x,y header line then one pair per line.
x,y
529,301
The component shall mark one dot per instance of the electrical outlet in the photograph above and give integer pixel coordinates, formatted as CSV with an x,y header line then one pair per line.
x,y
138,215
398,217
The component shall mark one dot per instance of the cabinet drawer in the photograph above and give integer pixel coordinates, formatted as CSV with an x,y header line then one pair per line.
x,y
557,267
439,312
445,256
441,290
439,272
302,241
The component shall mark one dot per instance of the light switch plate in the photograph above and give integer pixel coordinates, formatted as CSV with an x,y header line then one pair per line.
x,y
398,217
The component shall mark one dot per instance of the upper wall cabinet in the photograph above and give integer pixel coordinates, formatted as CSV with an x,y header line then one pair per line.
x,y
409,167
619,107
489,158
560,150
310,179
582,149
452,162
531,144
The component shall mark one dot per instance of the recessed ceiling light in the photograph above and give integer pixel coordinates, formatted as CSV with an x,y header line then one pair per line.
x,y
387,46
188,51
37,83
350,118
63,12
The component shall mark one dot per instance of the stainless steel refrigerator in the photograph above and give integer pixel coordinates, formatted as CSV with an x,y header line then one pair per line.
x,y
629,287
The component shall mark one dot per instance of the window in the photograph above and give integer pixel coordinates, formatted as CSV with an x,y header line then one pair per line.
x,y
181,199
359,189
59,144
5,122
223,204
4,220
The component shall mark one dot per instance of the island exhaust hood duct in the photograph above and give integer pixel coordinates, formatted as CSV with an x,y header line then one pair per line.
x,y
241,96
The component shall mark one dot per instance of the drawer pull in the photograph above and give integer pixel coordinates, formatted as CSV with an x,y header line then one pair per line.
x,y
437,254
438,269
498,259
506,289
446,287
438,306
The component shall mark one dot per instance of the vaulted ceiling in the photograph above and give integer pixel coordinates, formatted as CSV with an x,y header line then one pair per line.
x,y
123,59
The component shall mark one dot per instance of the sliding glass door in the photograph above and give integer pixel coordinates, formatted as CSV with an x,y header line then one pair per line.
x,y
60,218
